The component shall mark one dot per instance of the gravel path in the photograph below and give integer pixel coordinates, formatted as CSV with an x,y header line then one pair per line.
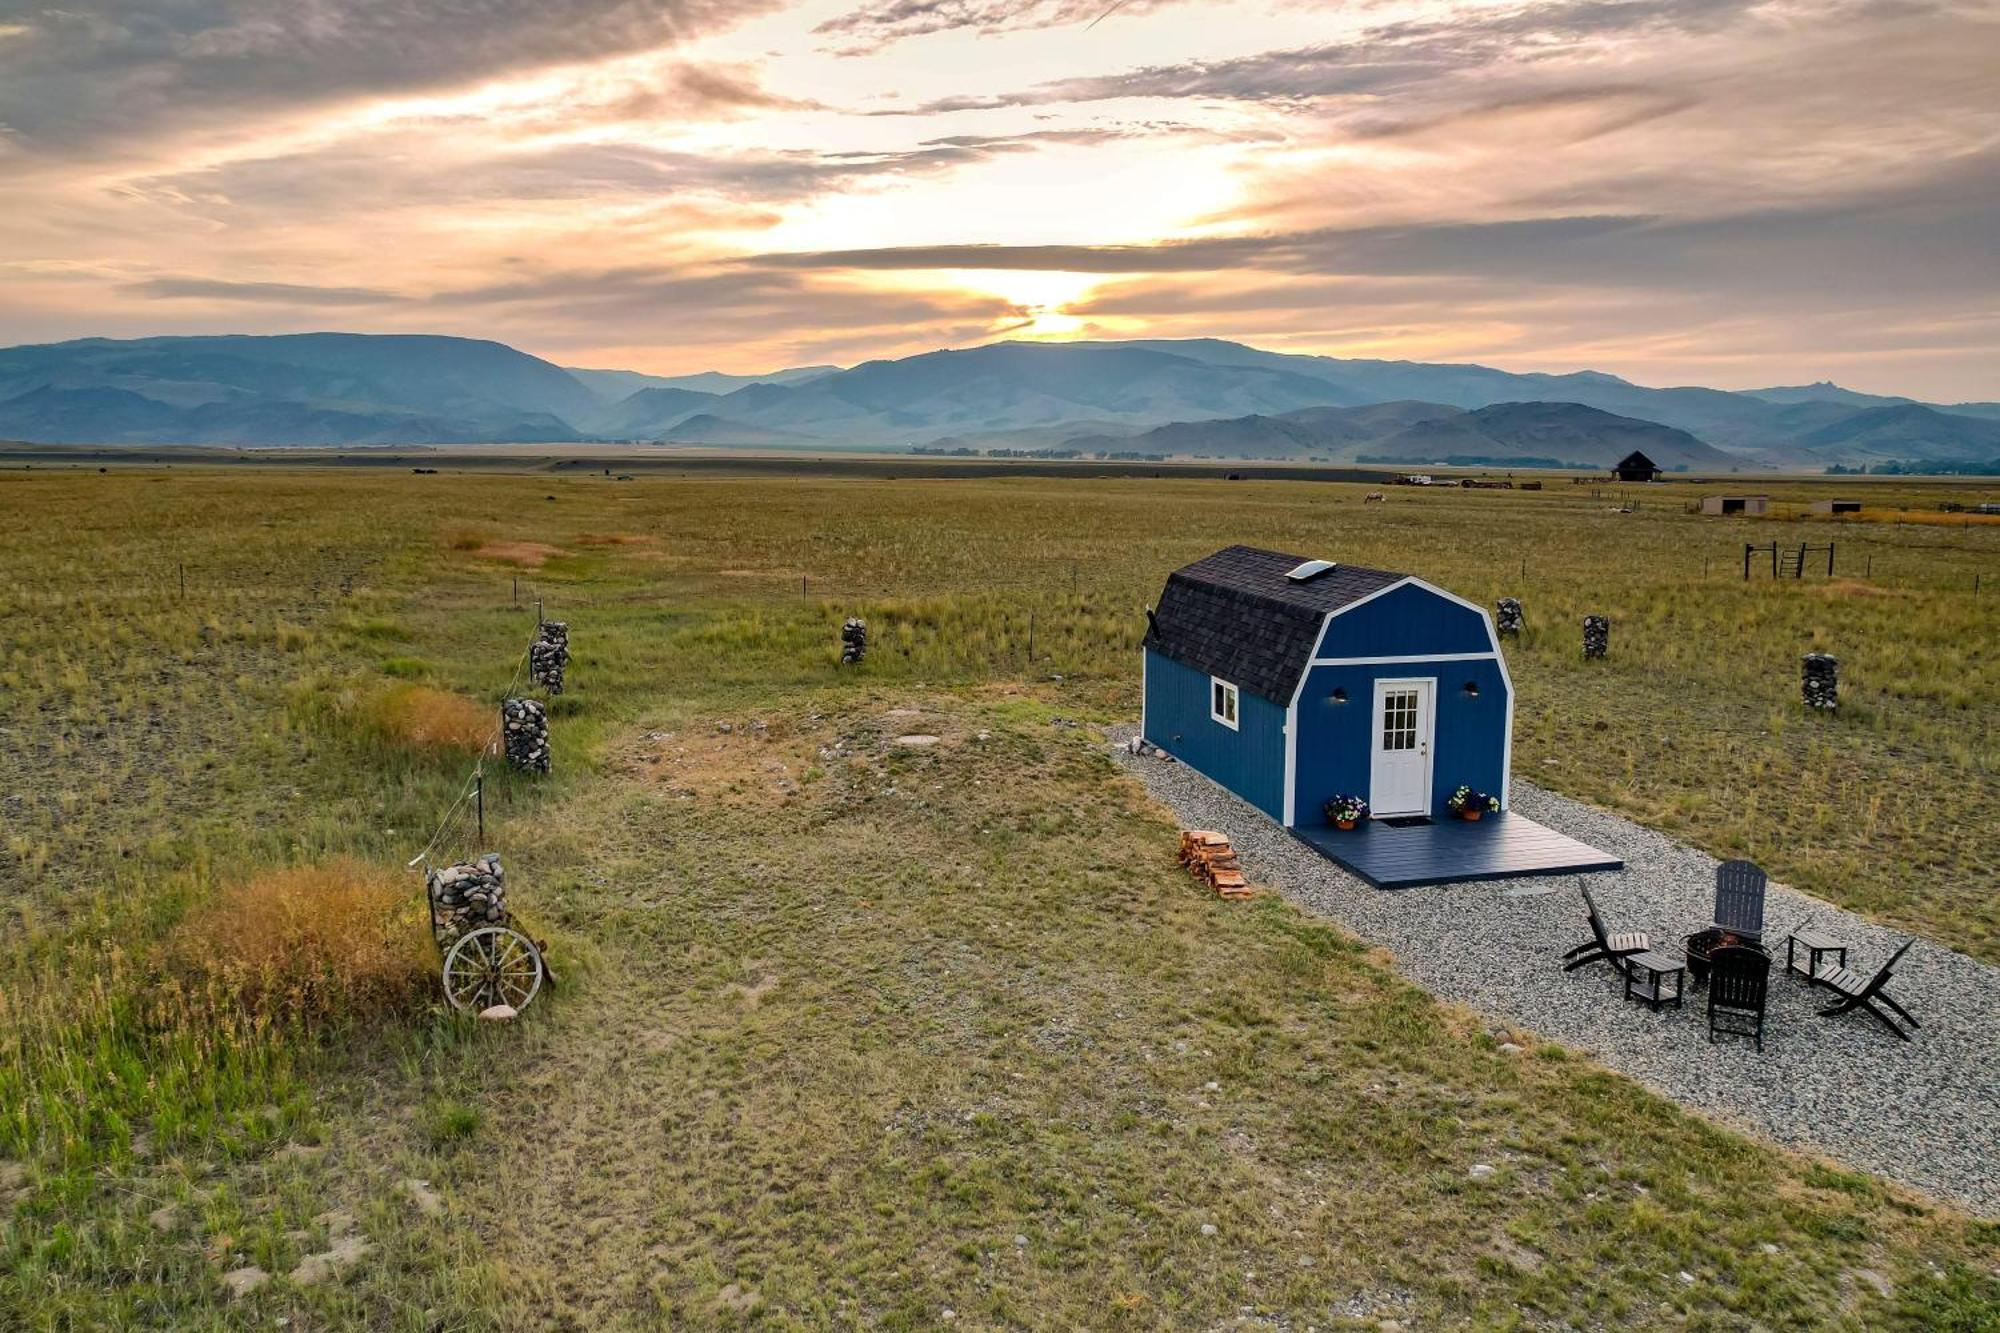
x,y
1925,1112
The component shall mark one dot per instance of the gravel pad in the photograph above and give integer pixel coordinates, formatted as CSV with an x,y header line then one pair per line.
x,y
1924,1112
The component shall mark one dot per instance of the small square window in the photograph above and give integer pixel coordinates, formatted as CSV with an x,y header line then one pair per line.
x,y
1222,702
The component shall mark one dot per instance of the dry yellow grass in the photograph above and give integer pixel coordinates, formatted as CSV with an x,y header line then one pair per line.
x,y
432,721
339,942
527,555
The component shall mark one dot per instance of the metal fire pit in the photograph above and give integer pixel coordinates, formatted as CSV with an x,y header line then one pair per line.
x,y
1702,943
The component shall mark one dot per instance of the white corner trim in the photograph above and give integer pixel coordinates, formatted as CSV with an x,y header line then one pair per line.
x,y
1145,665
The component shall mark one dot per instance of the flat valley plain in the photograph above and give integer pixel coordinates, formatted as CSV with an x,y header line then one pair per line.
x,y
855,1032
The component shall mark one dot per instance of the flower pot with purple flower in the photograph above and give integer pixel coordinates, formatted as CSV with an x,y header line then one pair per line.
x,y
1344,811
1471,803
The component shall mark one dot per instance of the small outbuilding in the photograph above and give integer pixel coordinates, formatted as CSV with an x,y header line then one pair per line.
x,y
1736,504
1836,506
1290,680
1635,466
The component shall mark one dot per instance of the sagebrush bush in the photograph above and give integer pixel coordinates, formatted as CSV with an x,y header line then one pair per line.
x,y
323,944
419,718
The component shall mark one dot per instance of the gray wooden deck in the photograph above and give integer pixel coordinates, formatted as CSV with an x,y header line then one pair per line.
x,y
1500,846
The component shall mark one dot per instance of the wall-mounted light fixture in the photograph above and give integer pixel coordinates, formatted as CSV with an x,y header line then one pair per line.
x,y
1472,689
1339,694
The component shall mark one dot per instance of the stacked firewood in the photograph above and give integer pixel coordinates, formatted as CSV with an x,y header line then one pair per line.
x,y
524,726
1596,636
549,656
1507,616
1821,685
853,641
1210,859
466,896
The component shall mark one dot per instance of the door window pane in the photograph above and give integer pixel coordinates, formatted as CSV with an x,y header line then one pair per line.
x,y
1399,720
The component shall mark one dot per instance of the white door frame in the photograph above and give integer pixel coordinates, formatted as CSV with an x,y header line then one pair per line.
x,y
1426,737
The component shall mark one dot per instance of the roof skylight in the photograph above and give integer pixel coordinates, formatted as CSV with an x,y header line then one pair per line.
x,y
1311,569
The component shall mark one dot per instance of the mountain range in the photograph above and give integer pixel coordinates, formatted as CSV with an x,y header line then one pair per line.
x,y
1204,397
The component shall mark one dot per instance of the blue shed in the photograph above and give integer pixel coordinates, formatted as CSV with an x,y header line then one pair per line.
x,y
1289,680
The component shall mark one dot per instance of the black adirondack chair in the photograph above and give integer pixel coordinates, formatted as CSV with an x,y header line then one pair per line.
x,y
1739,899
1738,980
1857,992
1614,949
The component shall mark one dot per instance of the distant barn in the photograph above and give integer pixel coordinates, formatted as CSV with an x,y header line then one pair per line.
x,y
1635,466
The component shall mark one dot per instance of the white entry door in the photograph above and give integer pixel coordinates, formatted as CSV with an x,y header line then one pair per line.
x,y
1399,771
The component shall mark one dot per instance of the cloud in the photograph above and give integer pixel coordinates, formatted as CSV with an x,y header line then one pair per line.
x,y
868,30
262,293
94,69
1379,60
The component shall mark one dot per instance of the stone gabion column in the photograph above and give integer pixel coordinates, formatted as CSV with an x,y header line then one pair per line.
x,y
524,726
467,896
1507,616
548,657
853,641
1821,683
1596,636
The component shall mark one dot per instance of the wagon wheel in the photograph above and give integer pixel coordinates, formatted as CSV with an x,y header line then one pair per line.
x,y
492,965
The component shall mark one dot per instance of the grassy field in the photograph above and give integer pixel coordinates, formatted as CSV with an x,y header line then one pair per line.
x,y
850,1032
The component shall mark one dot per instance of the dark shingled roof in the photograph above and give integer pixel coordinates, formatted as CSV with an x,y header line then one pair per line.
x,y
1236,615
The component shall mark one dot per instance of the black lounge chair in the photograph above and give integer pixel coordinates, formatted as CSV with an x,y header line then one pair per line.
x,y
1857,992
1739,899
1738,979
1614,949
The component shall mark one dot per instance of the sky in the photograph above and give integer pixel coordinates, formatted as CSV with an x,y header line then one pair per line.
x,y
1678,191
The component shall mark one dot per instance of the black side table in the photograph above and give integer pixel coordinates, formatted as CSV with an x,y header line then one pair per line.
x,y
1815,945
1665,978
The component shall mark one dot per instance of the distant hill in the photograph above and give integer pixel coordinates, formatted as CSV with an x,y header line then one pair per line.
x,y
1201,395
649,413
1518,434
333,388
1569,433
1908,431
612,385
707,428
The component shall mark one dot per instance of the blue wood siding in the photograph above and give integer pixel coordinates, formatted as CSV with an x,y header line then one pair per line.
x,y
1250,760
1336,739
1408,622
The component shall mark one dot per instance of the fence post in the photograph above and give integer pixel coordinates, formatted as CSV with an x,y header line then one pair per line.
x,y
802,587
1746,562
184,580
1829,559
1031,638
479,804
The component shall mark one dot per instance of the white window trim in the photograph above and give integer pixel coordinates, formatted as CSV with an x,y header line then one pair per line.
x,y
1235,698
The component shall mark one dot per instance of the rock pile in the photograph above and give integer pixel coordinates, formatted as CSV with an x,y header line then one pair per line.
x,y
467,896
1821,685
853,641
549,655
1507,616
524,725
1596,636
